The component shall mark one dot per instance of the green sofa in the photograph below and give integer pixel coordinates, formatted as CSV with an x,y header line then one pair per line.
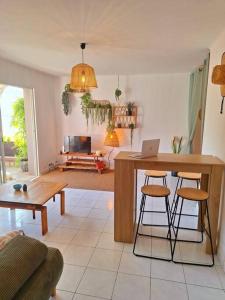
x,y
29,270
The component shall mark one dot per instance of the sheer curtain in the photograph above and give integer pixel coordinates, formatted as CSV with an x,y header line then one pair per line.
x,y
197,100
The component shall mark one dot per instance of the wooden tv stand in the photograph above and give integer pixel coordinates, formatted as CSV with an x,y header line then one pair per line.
x,y
83,161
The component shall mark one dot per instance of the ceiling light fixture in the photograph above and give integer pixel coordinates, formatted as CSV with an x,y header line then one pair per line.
x,y
83,75
218,77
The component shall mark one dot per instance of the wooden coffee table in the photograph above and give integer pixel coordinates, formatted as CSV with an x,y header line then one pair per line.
x,y
38,193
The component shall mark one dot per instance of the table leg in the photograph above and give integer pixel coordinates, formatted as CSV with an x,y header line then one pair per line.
x,y
125,201
44,220
53,198
204,187
215,186
33,214
62,202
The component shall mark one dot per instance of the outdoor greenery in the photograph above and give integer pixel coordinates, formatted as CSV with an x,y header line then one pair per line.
x,y
18,122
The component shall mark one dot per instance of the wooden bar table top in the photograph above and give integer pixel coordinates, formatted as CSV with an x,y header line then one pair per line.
x,y
126,167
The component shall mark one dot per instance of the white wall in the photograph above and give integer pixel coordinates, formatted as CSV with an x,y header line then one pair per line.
x,y
44,87
162,110
214,131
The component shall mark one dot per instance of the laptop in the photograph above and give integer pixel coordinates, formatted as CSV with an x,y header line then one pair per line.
x,y
149,148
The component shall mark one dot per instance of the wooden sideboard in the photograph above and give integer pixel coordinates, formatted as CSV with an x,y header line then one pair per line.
x,y
126,167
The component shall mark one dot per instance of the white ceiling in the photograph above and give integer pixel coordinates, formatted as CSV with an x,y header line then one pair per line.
x,y
124,36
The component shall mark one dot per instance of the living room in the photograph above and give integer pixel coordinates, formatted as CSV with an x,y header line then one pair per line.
x,y
152,53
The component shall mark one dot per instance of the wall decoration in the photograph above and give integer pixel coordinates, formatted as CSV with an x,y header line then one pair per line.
x,y
99,111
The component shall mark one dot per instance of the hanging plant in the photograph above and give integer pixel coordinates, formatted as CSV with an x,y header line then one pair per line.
x,y
66,99
98,111
131,126
118,92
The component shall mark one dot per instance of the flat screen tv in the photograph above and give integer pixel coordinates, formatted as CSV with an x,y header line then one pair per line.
x,y
80,144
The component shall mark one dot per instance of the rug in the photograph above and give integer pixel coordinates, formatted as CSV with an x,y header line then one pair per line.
x,y
87,180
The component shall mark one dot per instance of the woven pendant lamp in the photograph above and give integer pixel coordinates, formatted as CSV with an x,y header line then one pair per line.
x,y
82,76
218,75
111,139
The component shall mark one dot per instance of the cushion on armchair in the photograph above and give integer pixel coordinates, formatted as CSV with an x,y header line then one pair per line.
x,y
18,261
44,279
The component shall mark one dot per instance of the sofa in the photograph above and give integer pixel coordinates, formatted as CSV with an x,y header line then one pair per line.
x,y
29,269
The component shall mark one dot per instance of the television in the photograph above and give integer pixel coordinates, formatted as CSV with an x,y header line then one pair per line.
x,y
80,144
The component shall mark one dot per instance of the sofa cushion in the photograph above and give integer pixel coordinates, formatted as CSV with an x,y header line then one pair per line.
x,y
18,261
4,239
44,279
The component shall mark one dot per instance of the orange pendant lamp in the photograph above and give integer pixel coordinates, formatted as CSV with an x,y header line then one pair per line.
x,y
83,75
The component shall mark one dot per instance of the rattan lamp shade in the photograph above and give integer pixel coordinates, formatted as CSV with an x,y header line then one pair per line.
x,y
82,78
218,75
111,139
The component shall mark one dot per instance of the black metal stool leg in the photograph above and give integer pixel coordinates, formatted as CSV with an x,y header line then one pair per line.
x,y
177,229
210,234
202,231
174,196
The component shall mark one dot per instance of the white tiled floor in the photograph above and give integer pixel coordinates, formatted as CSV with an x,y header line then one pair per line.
x,y
97,268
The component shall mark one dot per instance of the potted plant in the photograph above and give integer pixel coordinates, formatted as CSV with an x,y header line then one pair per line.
x,y
118,93
130,106
176,148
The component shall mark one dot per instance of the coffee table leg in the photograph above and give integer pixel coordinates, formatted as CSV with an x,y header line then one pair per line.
x,y
62,202
44,220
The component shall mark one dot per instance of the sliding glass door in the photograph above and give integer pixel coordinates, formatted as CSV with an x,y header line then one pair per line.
x,y
18,137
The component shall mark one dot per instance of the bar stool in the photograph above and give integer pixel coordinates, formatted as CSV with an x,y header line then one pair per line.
x,y
193,194
155,174
158,191
186,176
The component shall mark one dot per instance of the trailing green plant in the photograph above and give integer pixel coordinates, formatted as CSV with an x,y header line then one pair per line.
x,y
131,126
98,112
66,99
18,122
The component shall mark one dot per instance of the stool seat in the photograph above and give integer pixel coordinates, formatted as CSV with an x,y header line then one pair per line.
x,y
189,176
156,174
192,194
154,190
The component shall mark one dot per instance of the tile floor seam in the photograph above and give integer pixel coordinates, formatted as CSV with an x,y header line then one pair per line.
x,y
117,272
90,296
184,278
85,270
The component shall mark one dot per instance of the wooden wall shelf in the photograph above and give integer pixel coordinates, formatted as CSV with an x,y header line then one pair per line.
x,y
122,119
